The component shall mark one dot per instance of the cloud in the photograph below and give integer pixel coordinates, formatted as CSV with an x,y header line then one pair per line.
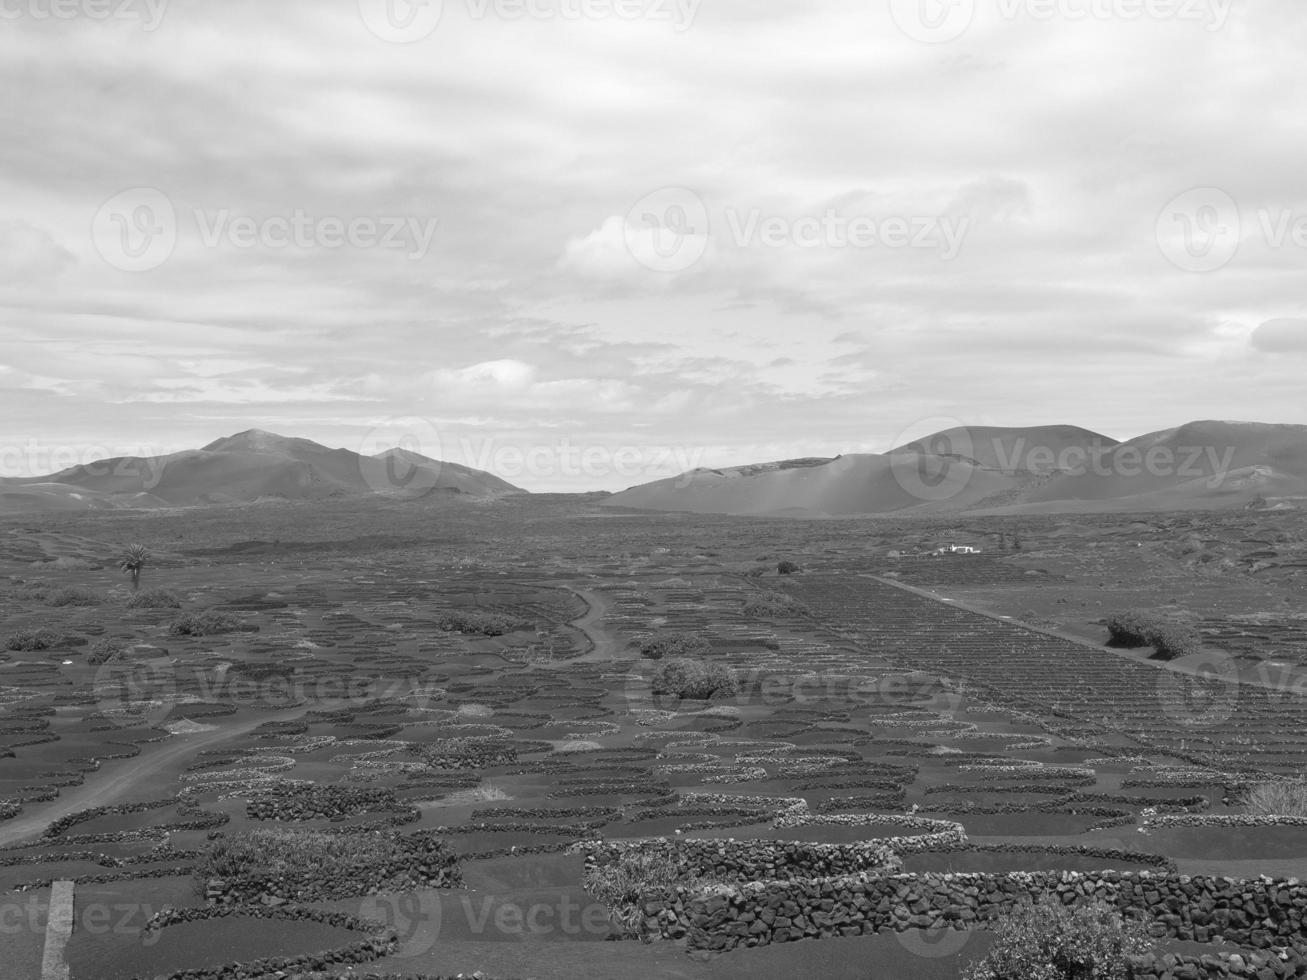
x,y
28,253
1280,336
548,303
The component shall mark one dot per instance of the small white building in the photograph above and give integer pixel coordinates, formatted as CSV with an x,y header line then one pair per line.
x,y
957,549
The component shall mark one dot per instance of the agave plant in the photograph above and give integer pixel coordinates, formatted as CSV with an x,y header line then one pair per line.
x,y
132,561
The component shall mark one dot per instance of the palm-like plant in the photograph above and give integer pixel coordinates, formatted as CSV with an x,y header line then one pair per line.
x,y
132,561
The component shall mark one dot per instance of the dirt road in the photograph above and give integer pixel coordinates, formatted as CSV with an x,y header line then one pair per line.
x,y
117,778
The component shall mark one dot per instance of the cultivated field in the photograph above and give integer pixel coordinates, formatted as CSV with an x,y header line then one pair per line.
x,y
346,738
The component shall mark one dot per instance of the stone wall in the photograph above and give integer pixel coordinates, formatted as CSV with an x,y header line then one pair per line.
x,y
1262,914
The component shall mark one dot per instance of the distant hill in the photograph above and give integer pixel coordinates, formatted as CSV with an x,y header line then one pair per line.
x,y
991,470
1036,448
246,467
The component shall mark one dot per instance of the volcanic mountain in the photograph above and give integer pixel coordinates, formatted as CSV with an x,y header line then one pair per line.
x,y
1041,469
249,466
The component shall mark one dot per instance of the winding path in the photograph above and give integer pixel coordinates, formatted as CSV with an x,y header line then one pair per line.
x,y
117,778
605,646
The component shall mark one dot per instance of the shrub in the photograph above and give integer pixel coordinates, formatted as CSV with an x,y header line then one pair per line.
x,y
30,640
154,599
66,563
1173,640
694,680
673,644
1129,629
1168,639
1047,940
321,866
621,885
71,597
480,623
773,605
107,650
1281,798
787,568
205,623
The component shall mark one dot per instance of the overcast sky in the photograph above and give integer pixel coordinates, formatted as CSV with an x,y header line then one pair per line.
x,y
659,233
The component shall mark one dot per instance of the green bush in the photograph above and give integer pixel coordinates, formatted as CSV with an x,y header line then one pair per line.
x,y
154,599
205,623
480,623
30,640
787,568
1051,941
673,644
694,680
774,605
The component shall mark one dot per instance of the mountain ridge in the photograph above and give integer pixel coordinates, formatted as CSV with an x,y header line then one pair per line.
x,y
246,467
1011,470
